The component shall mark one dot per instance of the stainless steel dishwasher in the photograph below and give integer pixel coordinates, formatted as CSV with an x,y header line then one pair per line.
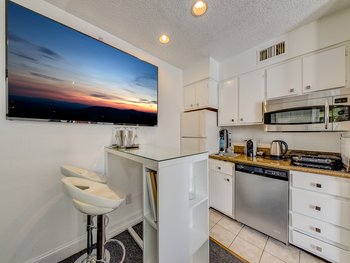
x,y
262,199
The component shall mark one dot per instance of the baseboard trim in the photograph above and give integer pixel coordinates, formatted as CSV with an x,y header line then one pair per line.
x,y
70,248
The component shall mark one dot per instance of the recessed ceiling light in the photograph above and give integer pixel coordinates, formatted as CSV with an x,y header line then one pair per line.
x,y
164,39
199,8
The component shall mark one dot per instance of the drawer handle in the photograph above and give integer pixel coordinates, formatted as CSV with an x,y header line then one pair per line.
x,y
219,168
318,230
227,179
241,119
317,185
291,90
233,120
316,207
308,87
319,249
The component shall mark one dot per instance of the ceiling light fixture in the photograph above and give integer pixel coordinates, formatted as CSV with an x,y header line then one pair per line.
x,y
199,8
164,39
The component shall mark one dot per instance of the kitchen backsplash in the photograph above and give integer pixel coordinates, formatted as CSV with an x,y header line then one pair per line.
x,y
312,141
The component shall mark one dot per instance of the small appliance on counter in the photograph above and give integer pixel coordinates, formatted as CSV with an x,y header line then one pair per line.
x,y
318,161
126,137
251,148
345,151
278,149
223,143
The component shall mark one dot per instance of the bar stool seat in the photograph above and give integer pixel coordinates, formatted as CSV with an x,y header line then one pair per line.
x,y
72,171
90,197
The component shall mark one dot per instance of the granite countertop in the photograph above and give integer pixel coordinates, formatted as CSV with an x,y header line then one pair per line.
x,y
281,164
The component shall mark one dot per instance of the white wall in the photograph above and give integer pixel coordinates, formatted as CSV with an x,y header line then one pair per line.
x,y
319,34
36,217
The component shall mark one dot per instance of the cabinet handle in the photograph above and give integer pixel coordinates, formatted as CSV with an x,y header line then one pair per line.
x,y
233,120
227,179
317,185
308,87
291,90
191,105
241,119
197,104
219,168
317,208
318,230
319,249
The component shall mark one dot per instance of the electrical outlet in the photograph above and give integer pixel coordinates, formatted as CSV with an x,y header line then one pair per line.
x,y
128,199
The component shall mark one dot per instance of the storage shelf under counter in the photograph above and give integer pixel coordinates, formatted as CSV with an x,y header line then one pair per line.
x,y
180,232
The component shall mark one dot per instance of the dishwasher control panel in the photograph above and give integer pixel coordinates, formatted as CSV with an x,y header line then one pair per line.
x,y
262,171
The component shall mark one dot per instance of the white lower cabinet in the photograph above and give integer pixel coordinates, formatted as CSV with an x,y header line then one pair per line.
x,y
320,215
221,185
320,229
320,248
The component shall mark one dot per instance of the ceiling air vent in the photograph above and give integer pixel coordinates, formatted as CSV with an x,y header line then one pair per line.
x,y
272,51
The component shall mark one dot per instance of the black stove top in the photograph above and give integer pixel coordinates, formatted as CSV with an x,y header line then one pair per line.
x,y
319,161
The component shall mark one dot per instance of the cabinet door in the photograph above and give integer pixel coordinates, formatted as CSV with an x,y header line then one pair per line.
x,y
251,95
284,80
220,192
194,144
189,95
324,70
201,94
228,102
322,207
190,124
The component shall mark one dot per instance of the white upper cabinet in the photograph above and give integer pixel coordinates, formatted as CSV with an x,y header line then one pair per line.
x,y
228,102
284,80
201,94
251,95
189,93
325,70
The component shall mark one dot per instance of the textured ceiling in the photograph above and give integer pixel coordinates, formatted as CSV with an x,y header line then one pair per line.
x,y
228,28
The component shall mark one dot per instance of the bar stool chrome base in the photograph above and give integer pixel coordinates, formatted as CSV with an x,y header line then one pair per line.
x,y
85,259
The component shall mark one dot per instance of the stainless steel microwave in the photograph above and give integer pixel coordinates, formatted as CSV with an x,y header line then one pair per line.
x,y
319,111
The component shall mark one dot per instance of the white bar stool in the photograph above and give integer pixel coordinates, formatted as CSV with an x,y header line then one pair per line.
x,y
91,196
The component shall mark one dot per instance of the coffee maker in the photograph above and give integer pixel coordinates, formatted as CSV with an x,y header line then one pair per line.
x,y
224,140
251,148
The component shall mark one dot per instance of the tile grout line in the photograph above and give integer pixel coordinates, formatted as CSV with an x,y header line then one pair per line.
x,y
236,235
263,251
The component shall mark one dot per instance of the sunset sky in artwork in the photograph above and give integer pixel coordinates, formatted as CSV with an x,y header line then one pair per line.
x,y
50,61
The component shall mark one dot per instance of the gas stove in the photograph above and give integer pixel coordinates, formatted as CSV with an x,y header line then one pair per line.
x,y
319,161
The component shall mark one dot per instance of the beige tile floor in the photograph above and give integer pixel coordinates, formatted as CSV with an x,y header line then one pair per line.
x,y
253,245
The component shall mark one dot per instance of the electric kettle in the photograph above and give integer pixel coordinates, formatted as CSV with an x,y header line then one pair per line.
x,y
278,149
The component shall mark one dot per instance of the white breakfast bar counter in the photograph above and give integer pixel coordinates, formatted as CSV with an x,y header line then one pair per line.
x,y
180,233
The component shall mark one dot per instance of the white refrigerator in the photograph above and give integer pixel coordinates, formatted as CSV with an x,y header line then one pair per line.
x,y
199,131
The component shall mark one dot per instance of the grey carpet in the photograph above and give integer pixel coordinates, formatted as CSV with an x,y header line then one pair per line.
x,y
134,253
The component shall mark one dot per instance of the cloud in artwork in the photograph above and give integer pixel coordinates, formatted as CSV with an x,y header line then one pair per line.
x,y
26,57
106,96
48,53
45,76
16,38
